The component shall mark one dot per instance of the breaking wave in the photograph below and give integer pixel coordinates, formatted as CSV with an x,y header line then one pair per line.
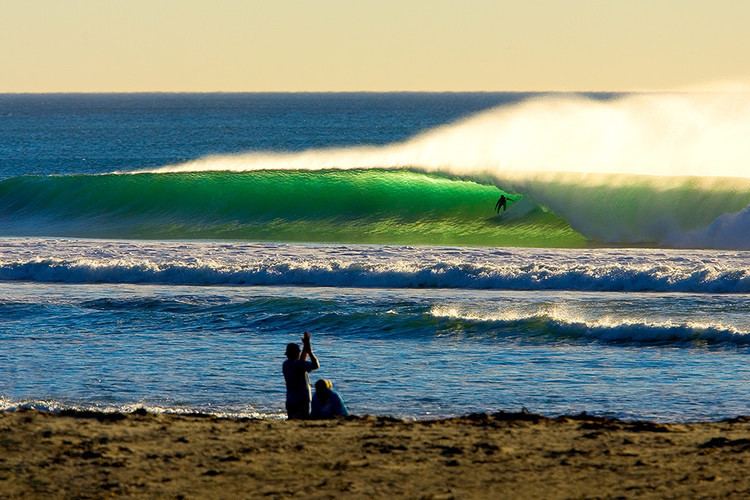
x,y
653,170
197,263
608,330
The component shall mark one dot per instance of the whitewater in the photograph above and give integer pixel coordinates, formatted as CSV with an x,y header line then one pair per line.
x,y
371,266
160,250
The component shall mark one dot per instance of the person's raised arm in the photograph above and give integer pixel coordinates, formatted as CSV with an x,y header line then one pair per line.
x,y
307,349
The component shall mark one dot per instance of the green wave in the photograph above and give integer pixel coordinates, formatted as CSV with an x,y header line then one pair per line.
x,y
358,206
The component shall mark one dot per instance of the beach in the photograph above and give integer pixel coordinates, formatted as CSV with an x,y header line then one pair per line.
x,y
501,455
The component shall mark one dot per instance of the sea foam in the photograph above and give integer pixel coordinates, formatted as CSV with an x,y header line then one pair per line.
x,y
198,263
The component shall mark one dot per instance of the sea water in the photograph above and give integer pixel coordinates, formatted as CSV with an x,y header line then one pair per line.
x,y
177,289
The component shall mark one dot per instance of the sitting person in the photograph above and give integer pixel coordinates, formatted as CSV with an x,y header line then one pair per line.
x,y
326,403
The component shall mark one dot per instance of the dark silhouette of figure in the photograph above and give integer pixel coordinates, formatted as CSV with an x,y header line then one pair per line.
x,y
501,203
295,369
326,403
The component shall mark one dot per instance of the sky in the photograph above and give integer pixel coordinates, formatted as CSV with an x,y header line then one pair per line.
x,y
370,45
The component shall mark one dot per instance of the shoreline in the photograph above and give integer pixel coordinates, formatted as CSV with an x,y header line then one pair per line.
x,y
87,454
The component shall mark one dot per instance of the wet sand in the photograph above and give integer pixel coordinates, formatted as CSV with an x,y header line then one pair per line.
x,y
503,455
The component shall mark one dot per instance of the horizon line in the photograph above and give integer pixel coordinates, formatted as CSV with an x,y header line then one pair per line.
x,y
549,91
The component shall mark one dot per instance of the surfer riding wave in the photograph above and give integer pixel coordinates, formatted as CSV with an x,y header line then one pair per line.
x,y
501,203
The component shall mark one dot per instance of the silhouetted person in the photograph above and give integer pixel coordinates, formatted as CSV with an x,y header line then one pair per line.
x,y
326,403
295,369
501,203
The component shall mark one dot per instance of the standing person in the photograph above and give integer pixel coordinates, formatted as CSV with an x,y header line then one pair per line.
x,y
501,203
295,370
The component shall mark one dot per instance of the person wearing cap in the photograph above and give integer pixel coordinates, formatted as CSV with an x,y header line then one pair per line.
x,y
326,403
295,369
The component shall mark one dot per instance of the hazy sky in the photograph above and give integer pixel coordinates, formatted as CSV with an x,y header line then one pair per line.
x,y
333,45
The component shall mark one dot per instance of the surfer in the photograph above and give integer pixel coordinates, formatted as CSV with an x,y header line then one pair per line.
x,y
501,203
326,403
295,370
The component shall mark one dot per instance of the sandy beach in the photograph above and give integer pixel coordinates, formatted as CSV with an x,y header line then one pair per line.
x,y
503,455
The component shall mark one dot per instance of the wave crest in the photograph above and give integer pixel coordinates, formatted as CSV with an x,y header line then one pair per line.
x,y
608,330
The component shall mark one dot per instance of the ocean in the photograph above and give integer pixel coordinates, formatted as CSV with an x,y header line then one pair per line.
x,y
160,250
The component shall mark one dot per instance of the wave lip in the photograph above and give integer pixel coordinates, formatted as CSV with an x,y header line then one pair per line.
x,y
607,330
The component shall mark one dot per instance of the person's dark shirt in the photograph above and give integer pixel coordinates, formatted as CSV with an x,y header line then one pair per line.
x,y
297,381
